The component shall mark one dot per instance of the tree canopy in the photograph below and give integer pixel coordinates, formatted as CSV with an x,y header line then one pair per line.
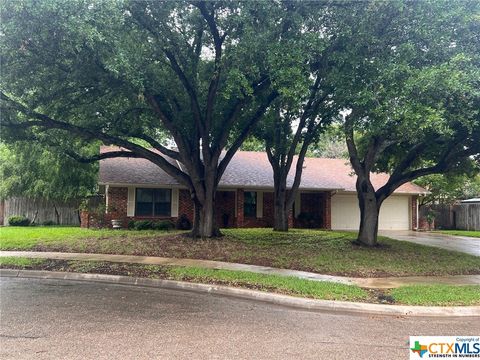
x,y
28,169
203,72
411,82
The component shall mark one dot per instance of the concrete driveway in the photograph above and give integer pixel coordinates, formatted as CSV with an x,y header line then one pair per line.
x,y
464,244
59,319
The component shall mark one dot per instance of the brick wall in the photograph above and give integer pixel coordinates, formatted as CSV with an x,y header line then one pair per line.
x,y
414,212
240,219
185,204
225,201
225,208
318,203
117,202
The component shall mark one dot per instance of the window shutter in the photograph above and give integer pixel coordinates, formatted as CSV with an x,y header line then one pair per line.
x,y
131,201
174,203
259,204
298,204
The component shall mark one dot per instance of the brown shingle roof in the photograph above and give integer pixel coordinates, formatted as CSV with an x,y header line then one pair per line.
x,y
248,169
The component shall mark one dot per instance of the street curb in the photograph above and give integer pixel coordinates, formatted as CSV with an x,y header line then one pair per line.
x,y
279,299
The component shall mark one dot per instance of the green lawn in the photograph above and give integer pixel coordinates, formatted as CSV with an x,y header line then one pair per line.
x,y
431,295
327,252
16,237
442,295
475,234
280,284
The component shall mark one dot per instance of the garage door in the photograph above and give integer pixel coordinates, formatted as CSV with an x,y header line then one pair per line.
x,y
394,213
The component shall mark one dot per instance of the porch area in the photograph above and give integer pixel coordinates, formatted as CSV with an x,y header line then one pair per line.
x,y
245,208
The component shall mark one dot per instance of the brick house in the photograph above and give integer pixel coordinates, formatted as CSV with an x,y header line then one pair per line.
x,y
137,189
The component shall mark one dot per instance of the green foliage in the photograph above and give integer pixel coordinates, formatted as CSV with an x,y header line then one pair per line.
x,y
253,143
164,225
471,233
28,169
48,223
18,220
183,223
310,250
20,262
143,225
410,73
112,55
437,295
285,284
55,237
447,188
330,144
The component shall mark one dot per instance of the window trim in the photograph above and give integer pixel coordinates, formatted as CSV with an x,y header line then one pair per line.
x,y
153,215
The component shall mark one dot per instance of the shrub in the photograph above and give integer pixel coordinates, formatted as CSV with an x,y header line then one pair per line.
x,y
143,225
164,225
18,220
131,225
183,223
151,225
49,223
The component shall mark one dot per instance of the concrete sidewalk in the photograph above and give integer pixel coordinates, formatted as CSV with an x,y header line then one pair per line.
x,y
379,283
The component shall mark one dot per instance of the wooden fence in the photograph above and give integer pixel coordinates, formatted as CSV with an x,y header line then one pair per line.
x,y
466,216
460,216
40,210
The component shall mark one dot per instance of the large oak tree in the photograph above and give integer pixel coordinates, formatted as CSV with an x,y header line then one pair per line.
x,y
411,84
129,73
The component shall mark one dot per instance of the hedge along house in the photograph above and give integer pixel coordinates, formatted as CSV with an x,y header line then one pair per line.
x,y
136,189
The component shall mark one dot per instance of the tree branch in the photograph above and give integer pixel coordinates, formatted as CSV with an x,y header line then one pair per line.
x,y
243,135
102,156
45,121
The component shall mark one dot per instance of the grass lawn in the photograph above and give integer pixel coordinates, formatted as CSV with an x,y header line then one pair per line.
x,y
475,234
442,295
327,252
434,295
280,284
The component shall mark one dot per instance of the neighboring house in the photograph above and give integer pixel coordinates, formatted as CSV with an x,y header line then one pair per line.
x,y
138,189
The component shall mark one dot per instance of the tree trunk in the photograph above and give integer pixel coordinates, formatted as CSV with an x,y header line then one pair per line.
x,y
369,211
205,225
280,222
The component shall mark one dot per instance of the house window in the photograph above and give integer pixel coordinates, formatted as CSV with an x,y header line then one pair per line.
x,y
250,204
153,202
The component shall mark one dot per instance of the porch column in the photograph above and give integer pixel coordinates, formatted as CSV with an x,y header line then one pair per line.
x,y
327,211
239,207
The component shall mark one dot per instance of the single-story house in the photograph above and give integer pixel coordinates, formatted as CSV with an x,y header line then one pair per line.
x,y
137,189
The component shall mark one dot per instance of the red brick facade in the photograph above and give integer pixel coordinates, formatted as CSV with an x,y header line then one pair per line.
x,y
229,210
315,207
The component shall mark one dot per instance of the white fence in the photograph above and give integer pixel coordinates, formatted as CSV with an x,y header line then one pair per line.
x,y
41,210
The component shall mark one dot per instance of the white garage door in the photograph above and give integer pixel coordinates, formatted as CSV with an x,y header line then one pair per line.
x,y
394,213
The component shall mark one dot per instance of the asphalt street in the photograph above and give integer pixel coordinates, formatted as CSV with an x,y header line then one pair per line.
x,y
57,319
